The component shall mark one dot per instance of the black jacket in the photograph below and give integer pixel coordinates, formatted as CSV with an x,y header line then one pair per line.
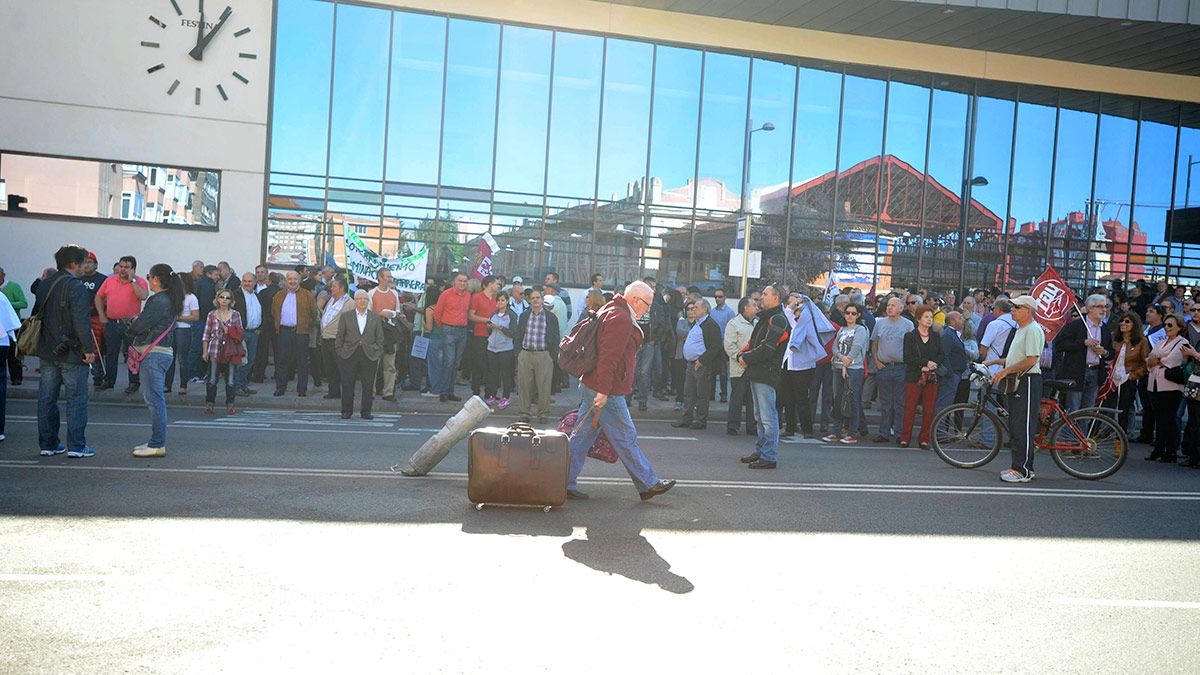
x,y
66,318
552,334
918,353
266,297
1071,354
765,349
156,317
956,362
714,346
239,303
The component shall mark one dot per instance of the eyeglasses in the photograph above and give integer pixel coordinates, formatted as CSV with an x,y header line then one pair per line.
x,y
224,297
1126,322
911,302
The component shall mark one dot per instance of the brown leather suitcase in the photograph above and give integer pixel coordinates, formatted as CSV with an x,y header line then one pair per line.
x,y
518,465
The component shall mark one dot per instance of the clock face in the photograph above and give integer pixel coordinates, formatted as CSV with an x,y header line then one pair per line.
x,y
193,50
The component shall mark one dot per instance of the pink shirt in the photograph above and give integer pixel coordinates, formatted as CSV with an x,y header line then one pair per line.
x,y
119,299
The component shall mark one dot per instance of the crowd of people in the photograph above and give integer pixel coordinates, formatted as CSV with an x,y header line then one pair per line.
x,y
784,363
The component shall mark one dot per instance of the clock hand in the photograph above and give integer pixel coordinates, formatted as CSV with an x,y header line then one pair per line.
x,y
198,51
200,25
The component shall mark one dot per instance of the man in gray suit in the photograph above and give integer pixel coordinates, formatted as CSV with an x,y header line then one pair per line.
x,y
359,345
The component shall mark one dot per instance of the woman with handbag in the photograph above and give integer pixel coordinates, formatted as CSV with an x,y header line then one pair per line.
x,y
922,356
151,354
223,333
1132,348
850,353
1165,384
1191,394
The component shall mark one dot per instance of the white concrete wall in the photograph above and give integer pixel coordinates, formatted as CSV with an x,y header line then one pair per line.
x,y
73,82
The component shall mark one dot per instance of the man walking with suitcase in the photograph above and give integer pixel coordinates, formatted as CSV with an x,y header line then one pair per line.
x,y
606,387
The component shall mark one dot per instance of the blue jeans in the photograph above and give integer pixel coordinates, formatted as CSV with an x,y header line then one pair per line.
x,y
182,346
854,380
55,374
767,445
890,382
454,343
154,370
1086,398
196,367
647,356
242,379
116,343
433,364
4,351
617,425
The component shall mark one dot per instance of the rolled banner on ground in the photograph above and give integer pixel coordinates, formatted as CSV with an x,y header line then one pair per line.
x,y
434,450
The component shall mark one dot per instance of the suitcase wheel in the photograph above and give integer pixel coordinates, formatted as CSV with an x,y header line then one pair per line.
x,y
479,507
546,509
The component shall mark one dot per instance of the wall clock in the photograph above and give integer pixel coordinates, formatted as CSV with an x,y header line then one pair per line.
x,y
197,53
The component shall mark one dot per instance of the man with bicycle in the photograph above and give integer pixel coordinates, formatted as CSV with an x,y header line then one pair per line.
x,y
1024,399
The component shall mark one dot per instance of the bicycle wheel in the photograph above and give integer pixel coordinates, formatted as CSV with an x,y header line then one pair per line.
x,y
967,435
1107,446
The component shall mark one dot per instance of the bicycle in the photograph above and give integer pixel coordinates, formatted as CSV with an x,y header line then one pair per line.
x,y
1087,443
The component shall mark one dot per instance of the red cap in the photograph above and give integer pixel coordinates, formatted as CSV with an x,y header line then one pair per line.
x,y
91,255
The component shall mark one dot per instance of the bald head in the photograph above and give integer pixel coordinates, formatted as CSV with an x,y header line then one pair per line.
x,y
955,320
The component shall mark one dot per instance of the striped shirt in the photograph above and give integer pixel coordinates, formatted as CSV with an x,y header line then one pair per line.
x,y
535,331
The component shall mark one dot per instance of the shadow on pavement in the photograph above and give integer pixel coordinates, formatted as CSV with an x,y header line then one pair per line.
x,y
614,549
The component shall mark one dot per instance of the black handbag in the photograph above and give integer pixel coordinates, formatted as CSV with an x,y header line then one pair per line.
x,y
1179,374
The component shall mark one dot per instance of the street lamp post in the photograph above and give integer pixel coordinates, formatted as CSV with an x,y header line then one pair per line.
x,y
767,126
977,181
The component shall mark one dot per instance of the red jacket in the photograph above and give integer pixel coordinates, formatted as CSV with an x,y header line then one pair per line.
x,y
619,340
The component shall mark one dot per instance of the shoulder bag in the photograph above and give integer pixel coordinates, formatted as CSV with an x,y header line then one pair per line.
x,y
31,330
1179,374
133,358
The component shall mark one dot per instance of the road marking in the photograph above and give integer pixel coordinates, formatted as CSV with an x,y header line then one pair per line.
x,y
205,424
667,438
1105,602
703,484
53,577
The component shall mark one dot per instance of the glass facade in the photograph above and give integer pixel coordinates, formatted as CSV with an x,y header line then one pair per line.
x,y
582,153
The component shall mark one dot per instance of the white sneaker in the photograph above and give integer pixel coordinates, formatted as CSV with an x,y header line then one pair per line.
x,y
1011,476
147,451
2,437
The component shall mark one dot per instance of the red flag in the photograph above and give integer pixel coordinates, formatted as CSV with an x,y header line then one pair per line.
x,y
1109,387
481,266
1054,302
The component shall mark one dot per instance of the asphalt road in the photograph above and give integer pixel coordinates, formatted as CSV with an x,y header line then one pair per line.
x,y
281,541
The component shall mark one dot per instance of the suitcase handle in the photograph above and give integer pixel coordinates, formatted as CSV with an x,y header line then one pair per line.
x,y
521,429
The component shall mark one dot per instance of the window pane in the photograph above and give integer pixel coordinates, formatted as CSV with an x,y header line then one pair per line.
x,y
415,109
524,101
1073,188
359,92
470,104
82,188
303,48
1114,187
722,144
903,180
858,179
1031,185
992,157
673,162
575,115
940,258
1187,185
772,102
813,175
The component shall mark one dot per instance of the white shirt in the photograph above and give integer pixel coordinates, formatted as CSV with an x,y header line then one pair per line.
x,y
253,311
189,303
287,313
259,287
994,338
9,321
362,321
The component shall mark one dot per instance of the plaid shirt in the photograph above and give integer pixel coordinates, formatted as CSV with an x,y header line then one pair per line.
x,y
535,332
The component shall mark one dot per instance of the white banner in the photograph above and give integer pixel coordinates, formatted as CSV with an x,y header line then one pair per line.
x,y
408,274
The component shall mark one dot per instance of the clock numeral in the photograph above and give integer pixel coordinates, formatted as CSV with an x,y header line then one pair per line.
x,y
155,69
242,32
241,77
178,12
150,44
221,91
174,85
246,55
197,95
154,20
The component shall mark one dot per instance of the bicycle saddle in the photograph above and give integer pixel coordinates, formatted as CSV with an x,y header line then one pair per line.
x,y
1059,385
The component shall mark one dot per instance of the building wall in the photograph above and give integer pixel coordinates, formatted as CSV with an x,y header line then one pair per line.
x,y
75,84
